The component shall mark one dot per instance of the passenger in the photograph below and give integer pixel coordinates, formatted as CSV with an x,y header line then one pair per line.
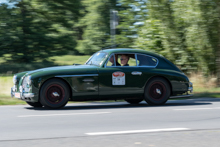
x,y
124,60
112,60
116,58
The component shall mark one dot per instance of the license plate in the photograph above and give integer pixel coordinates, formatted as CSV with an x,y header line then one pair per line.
x,y
17,95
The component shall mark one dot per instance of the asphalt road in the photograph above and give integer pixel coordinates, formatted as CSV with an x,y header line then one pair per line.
x,y
179,123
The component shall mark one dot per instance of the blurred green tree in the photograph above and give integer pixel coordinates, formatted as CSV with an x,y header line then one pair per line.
x,y
6,24
95,25
211,13
183,31
38,29
132,15
186,32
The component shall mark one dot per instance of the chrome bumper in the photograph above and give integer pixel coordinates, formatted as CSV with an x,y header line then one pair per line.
x,y
21,95
190,89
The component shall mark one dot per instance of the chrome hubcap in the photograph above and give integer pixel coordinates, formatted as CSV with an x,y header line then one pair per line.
x,y
55,94
158,91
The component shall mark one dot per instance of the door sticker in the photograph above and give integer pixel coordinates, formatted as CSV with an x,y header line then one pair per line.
x,y
118,78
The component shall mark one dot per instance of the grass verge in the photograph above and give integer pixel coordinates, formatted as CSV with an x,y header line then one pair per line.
x,y
8,100
207,94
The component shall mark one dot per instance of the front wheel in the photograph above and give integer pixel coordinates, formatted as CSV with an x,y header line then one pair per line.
x,y
54,94
157,91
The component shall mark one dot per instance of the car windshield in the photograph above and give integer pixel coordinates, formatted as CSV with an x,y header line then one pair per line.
x,y
97,59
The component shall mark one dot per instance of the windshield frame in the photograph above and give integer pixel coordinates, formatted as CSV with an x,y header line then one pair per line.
x,y
102,62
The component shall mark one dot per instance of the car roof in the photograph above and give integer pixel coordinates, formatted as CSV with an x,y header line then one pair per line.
x,y
128,50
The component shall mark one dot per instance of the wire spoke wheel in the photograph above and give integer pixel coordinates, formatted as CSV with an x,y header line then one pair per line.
x,y
157,91
54,94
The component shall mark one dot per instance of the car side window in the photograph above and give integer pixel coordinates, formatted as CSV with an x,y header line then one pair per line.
x,y
132,62
144,60
111,61
127,60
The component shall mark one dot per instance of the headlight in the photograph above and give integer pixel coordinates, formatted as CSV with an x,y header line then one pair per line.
x,y
20,89
29,80
15,79
190,84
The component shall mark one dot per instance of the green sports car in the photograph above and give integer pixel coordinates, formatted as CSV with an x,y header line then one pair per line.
x,y
130,74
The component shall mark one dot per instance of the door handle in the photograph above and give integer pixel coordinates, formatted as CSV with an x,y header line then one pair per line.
x,y
88,80
136,73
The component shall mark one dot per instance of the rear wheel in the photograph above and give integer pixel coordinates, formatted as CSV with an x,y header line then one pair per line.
x,y
134,100
34,104
157,91
54,94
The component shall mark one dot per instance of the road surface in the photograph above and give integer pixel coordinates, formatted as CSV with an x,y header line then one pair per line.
x,y
178,123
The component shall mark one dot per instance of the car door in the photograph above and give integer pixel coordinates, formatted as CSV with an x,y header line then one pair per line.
x,y
147,67
120,81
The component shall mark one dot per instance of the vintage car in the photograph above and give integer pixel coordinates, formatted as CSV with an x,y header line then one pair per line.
x,y
105,76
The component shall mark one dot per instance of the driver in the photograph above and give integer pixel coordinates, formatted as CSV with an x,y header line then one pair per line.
x,y
124,60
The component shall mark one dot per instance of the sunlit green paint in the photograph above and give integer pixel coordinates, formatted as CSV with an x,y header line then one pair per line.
x,y
102,88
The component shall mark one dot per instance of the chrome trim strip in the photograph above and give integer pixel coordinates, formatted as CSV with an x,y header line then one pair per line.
x,y
136,59
181,96
114,60
136,54
85,75
151,57
136,73
88,80
28,95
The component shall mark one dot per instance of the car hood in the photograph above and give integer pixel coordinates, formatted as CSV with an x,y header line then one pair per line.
x,y
64,70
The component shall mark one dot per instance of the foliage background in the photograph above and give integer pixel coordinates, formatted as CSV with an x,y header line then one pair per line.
x,y
186,32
